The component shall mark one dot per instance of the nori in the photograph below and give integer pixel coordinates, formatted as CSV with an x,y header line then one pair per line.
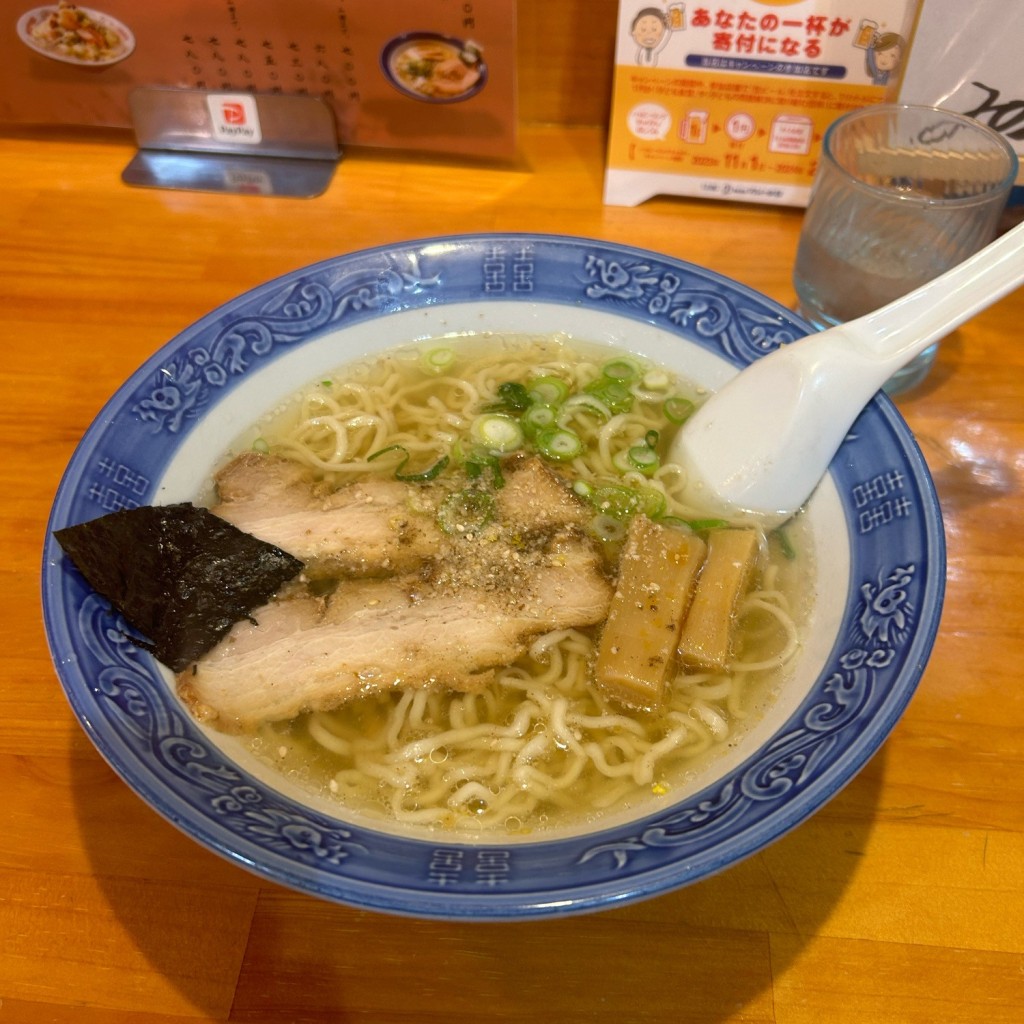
x,y
180,575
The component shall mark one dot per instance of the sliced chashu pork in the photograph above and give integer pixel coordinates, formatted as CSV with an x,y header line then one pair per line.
x,y
370,528
535,499
305,653
375,527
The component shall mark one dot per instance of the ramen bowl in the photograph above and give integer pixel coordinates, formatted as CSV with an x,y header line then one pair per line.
x,y
877,582
434,68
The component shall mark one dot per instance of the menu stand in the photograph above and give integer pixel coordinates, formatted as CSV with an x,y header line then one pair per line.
x,y
271,144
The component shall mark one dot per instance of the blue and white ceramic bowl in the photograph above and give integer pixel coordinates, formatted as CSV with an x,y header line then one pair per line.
x,y
879,576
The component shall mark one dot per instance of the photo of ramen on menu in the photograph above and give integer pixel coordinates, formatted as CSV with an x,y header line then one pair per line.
x,y
432,75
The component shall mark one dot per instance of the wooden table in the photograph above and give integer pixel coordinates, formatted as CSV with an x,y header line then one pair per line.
x,y
902,900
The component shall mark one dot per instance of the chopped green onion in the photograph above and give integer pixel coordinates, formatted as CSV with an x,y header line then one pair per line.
x,y
656,380
653,503
643,459
558,443
514,397
423,476
548,390
476,460
701,525
678,409
785,542
465,511
607,528
390,448
582,489
261,446
624,370
676,522
536,418
617,502
590,403
497,432
622,503
639,458
612,393
620,460
437,360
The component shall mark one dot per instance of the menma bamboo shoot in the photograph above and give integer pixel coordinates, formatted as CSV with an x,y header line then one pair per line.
x,y
638,644
706,642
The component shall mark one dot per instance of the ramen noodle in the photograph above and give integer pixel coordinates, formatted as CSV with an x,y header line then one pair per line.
x,y
542,744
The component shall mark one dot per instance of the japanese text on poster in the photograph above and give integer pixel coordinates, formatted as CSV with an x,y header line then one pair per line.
x,y
731,100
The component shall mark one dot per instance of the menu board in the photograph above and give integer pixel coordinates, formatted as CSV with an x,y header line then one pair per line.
x,y
432,75
731,99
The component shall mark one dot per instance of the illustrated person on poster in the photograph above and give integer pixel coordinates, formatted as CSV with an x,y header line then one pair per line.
x,y
883,57
649,30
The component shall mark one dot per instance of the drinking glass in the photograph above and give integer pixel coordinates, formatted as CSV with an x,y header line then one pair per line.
x,y
901,194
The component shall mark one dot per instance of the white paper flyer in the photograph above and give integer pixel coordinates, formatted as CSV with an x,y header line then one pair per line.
x,y
731,100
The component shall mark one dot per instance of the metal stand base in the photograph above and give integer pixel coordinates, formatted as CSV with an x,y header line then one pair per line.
x,y
245,143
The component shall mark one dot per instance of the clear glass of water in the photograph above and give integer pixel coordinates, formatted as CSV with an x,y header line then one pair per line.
x,y
901,194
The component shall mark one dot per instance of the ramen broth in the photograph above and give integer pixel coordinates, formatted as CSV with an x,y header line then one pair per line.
x,y
542,746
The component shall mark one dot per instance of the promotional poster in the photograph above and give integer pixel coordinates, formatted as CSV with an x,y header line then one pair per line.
x,y
730,100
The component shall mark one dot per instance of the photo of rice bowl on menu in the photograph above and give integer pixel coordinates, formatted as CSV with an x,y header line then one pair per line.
x,y
76,35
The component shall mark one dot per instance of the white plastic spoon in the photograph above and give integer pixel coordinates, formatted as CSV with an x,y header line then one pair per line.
x,y
758,447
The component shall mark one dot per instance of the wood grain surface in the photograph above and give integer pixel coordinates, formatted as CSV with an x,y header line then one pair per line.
x,y
901,900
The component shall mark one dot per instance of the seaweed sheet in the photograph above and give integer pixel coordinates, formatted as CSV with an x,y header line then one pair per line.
x,y
179,575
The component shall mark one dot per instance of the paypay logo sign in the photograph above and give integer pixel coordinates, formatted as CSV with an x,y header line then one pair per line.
x,y
235,118
234,113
